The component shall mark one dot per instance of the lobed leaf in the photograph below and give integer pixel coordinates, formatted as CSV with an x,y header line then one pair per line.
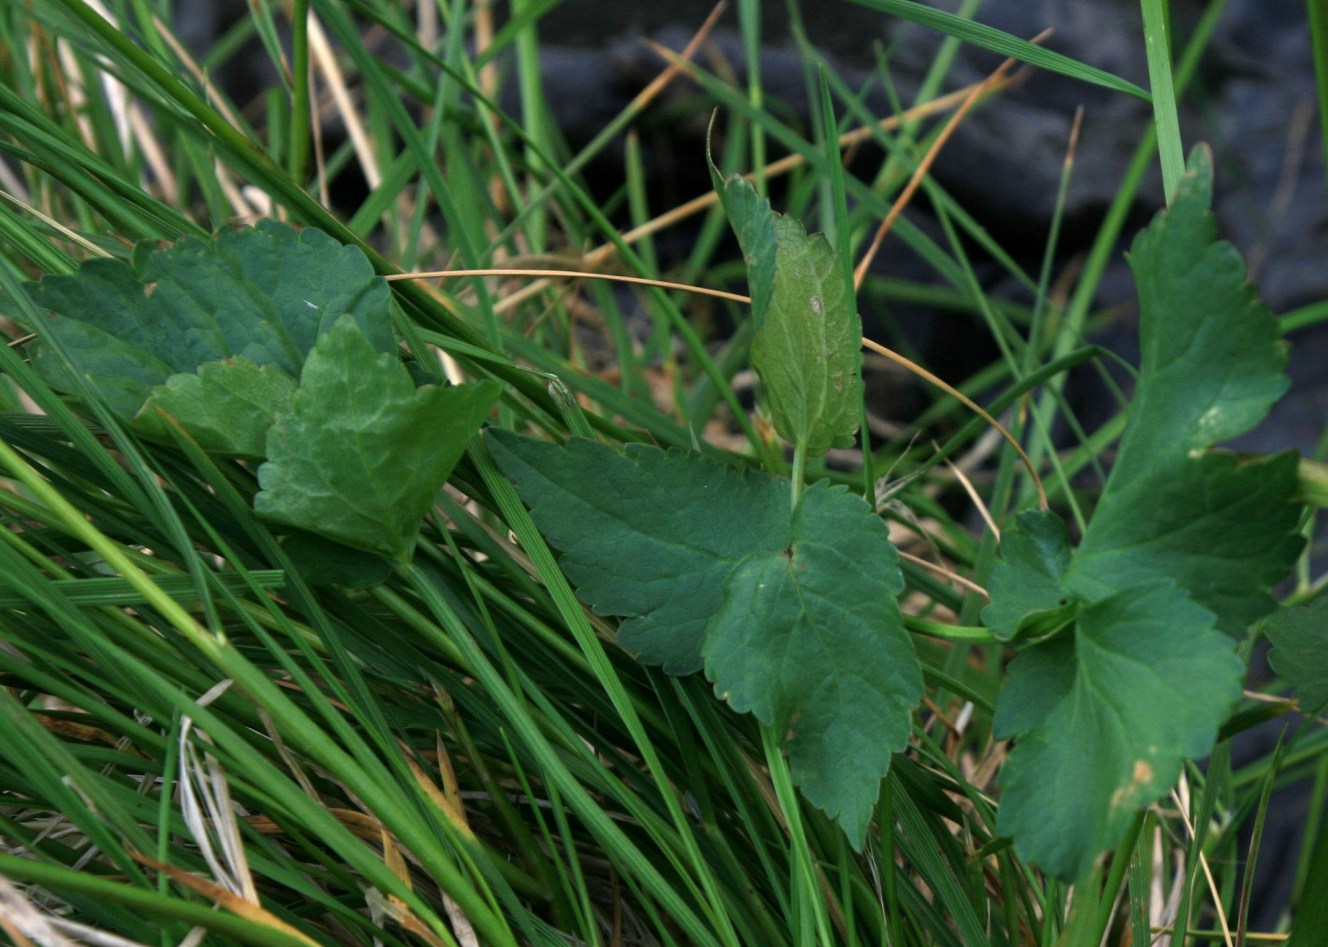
x,y
810,640
1300,651
647,535
1028,580
264,294
226,406
793,614
1216,530
361,453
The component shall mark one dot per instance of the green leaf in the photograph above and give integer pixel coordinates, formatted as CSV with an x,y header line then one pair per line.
x,y
1222,528
792,613
1103,719
810,640
323,562
361,453
1001,42
647,535
265,293
807,347
1027,581
753,223
1300,651
227,406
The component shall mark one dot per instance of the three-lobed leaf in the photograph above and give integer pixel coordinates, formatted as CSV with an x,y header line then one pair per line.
x,y
792,613
646,535
1198,536
360,455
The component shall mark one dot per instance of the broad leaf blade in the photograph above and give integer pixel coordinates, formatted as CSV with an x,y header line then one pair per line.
x,y
1300,652
1222,528
646,535
264,293
1104,719
227,406
1028,580
810,639
1211,369
361,454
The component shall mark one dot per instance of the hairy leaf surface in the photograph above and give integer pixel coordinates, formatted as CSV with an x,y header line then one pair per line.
x,y
1300,651
361,454
810,639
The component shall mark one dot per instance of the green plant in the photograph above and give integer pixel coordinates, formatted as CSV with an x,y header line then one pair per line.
x,y
264,675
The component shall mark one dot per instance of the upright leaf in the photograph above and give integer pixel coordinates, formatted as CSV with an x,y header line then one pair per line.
x,y
361,454
1216,531
807,347
1223,528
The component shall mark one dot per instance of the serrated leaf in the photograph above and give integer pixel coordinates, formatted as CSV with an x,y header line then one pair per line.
x,y
361,454
1221,528
1211,367
1300,651
810,640
753,222
264,293
647,535
227,406
792,613
1027,581
807,347
1104,719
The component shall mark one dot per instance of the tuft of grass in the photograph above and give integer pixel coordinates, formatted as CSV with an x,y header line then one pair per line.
x,y
197,741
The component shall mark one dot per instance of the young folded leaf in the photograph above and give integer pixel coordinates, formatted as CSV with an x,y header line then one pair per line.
x,y
808,343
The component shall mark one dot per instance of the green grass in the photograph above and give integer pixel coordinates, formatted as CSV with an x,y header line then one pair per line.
x,y
462,754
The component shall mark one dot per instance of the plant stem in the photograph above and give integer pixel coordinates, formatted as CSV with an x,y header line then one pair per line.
x,y
799,473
